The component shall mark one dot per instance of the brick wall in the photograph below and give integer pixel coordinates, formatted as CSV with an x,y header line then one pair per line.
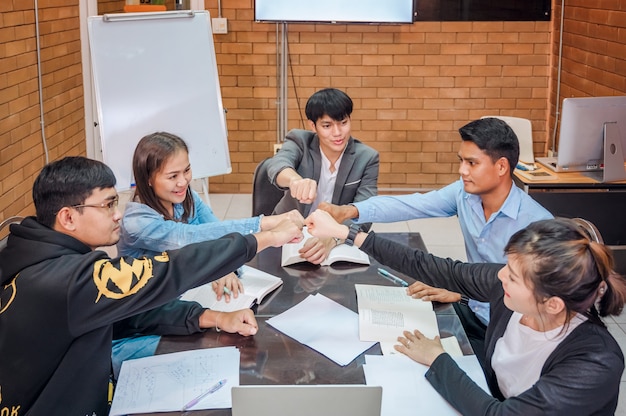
x,y
594,51
21,148
413,85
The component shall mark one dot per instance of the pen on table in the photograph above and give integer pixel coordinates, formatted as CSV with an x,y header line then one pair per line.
x,y
384,273
212,390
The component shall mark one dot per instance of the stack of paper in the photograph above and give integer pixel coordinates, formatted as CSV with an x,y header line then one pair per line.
x,y
401,377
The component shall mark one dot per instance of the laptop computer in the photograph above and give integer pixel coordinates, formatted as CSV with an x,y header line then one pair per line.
x,y
551,163
307,400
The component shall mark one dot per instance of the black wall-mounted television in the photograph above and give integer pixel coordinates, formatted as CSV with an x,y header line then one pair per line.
x,y
482,10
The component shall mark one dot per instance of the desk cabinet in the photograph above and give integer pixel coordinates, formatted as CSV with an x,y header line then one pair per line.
x,y
576,195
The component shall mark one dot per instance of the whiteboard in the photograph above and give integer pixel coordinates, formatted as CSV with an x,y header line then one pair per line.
x,y
157,72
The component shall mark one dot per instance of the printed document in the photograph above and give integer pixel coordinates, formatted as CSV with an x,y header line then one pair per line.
x,y
386,311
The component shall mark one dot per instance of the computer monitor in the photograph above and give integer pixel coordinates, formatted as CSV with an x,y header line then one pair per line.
x,y
593,137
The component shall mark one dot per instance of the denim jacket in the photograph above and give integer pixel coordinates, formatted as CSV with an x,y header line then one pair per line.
x,y
145,232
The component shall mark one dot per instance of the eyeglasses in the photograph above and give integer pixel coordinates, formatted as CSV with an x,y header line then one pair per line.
x,y
111,205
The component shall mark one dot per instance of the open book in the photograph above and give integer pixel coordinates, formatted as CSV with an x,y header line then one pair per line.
x,y
256,285
386,311
342,252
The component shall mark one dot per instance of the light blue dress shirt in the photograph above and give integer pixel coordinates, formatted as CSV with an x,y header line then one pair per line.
x,y
484,239
145,232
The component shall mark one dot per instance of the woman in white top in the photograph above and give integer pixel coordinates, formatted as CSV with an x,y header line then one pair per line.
x,y
547,350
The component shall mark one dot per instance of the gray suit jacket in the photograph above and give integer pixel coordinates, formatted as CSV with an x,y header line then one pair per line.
x,y
357,178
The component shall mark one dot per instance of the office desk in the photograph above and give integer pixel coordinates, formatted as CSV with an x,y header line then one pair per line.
x,y
270,357
576,194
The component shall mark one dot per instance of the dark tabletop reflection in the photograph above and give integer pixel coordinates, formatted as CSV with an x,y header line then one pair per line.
x,y
271,357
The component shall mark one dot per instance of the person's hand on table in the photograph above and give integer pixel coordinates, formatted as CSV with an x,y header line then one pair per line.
x,y
419,348
419,290
340,213
241,322
303,189
227,286
315,250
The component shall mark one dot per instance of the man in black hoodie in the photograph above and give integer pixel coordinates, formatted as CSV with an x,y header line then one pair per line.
x,y
59,296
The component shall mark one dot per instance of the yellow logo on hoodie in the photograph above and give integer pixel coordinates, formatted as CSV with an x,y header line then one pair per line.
x,y
128,279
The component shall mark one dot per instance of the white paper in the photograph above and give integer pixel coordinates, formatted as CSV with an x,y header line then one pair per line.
x,y
386,311
406,392
325,326
167,382
256,284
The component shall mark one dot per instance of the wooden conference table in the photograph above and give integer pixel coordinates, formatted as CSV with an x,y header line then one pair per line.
x,y
270,357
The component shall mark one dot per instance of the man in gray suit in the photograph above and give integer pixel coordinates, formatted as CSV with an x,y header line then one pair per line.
x,y
325,164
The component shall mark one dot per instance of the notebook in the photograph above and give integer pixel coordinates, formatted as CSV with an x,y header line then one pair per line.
x,y
307,400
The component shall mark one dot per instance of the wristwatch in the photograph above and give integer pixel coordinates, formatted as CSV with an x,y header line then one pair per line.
x,y
353,230
464,300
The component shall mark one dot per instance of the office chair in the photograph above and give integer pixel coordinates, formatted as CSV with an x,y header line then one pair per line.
x,y
619,253
265,195
5,224
589,228
524,131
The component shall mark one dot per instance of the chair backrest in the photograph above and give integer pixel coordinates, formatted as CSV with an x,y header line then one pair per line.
x,y
265,195
524,131
5,224
590,229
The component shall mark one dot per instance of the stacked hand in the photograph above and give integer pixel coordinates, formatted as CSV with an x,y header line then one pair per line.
x,y
303,189
340,213
321,224
270,221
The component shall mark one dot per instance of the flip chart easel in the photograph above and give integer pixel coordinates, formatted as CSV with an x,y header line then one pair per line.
x,y
157,72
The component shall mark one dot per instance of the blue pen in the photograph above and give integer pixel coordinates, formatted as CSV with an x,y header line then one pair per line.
x,y
384,273
227,291
212,390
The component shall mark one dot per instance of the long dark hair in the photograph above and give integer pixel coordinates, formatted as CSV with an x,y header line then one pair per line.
x,y
562,260
151,153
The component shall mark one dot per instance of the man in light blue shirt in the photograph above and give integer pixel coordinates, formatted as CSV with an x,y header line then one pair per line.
x,y
489,206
